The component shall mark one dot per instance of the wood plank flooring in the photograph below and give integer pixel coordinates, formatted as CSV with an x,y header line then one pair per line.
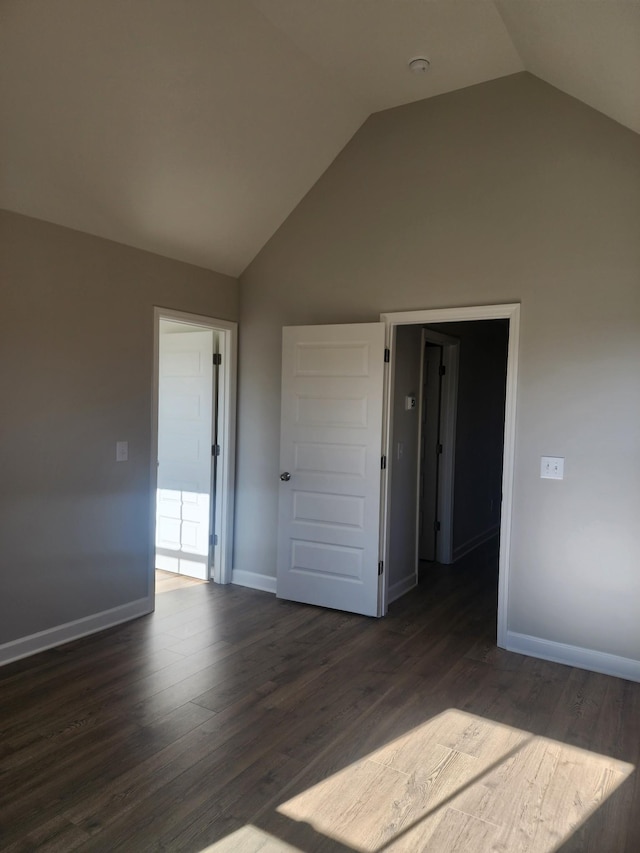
x,y
170,581
231,721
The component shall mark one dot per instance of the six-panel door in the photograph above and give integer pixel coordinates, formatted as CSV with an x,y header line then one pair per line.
x,y
331,433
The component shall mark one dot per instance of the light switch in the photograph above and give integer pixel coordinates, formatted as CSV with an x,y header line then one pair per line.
x,y
552,467
122,451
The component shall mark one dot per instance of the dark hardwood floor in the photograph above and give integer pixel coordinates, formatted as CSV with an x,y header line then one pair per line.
x,y
229,720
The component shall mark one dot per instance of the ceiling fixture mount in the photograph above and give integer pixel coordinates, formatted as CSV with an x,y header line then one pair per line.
x,y
419,65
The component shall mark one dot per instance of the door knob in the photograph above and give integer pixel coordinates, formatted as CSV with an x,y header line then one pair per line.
x,y
285,476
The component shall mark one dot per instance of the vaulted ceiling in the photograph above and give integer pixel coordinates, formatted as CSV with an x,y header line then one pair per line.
x,y
192,128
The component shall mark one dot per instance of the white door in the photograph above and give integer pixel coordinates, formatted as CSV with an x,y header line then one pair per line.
x,y
330,455
185,404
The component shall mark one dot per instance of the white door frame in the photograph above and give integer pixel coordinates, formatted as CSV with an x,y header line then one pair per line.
x,y
448,415
511,312
227,381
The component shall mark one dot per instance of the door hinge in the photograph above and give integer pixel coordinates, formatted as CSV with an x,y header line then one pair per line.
x,y
383,462
213,539
217,358
438,448
443,370
436,526
387,355
215,450
380,568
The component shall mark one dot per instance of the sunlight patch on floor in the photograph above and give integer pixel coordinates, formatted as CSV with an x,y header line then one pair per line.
x,y
168,582
460,782
250,839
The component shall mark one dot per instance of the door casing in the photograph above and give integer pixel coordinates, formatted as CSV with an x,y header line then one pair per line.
x,y
227,381
511,312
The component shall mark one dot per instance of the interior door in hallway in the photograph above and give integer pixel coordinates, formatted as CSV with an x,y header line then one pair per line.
x,y
430,451
185,415
330,460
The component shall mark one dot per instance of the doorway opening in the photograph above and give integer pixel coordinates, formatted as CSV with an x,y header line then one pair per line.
x,y
464,370
193,447
337,506
449,439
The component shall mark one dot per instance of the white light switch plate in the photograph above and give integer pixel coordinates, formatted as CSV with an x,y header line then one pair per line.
x,y
122,451
552,467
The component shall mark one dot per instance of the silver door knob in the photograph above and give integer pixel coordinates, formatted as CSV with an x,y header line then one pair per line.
x,y
285,476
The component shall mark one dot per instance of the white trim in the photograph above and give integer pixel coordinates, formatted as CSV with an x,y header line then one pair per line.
x,y
400,588
227,458
475,542
69,631
228,347
450,315
265,583
385,497
419,466
576,656
511,312
508,470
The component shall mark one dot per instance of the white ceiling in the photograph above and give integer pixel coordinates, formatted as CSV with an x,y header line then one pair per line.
x,y
192,128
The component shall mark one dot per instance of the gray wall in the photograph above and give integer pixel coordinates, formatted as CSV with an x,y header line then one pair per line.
x,y
76,343
503,192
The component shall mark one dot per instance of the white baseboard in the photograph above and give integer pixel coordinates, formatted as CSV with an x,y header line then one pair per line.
x,y
475,542
574,656
43,640
265,583
399,588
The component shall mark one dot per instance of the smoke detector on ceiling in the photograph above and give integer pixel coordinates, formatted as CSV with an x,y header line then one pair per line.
x,y
419,65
